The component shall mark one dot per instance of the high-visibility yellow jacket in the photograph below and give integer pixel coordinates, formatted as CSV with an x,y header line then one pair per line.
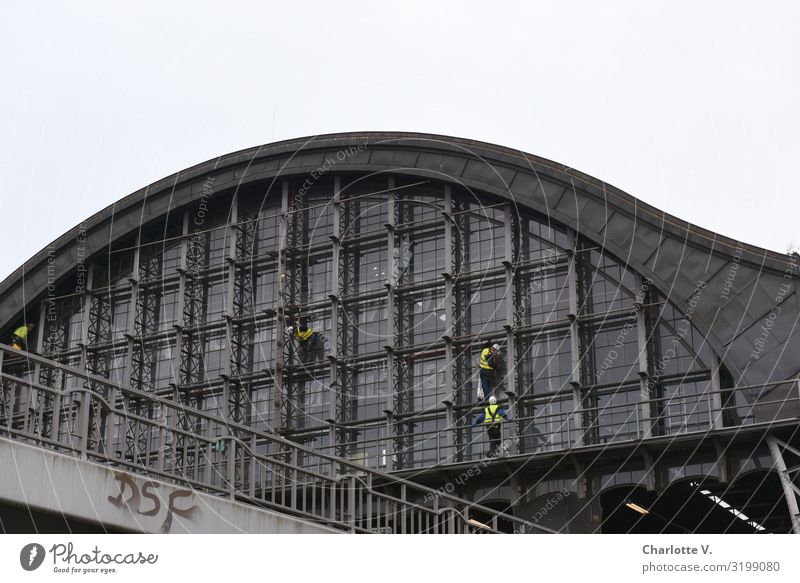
x,y
21,332
491,414
486,353
303,336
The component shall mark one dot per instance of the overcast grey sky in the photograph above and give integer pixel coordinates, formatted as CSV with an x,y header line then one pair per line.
x,y
691,107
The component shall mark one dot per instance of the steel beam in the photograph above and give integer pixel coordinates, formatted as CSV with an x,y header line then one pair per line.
x,y
790,489
645,421
575,348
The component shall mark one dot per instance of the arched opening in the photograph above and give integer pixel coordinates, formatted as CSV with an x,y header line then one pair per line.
x,y
759,496
753,504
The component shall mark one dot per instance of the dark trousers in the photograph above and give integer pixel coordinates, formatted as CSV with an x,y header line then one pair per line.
x,y
19,342
487,376
310,350
493,431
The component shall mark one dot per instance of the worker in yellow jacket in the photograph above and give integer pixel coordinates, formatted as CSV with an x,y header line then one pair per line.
x,y
310,346
491,418
489,360
19,340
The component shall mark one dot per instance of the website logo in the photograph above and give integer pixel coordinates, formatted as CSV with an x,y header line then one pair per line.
x,y
31,556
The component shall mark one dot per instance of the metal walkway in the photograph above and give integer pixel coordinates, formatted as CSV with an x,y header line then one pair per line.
x,y
64,409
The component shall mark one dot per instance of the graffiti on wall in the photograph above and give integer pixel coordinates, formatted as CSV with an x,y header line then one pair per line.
x,y
146,502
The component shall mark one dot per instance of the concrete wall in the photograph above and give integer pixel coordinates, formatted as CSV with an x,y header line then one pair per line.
x,y
64,485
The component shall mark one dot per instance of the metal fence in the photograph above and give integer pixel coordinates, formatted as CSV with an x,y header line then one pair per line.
x,y
525,435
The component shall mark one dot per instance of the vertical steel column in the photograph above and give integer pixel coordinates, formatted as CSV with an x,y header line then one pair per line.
x,y
196,260
452,438
183,264
40,326
574,333
33,401
645,418
402,434
175,442
790,490
133,313
242,318
233,229
448,284
86,315
459,317
391,281
82,400
333,374
524,278
511,251
280,324
230,402
180,314
716,395
349,256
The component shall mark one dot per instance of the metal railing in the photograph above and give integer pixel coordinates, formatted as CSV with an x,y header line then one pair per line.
x,y
68,410
525,435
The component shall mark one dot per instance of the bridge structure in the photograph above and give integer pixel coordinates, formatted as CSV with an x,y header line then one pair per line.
x,y
142,459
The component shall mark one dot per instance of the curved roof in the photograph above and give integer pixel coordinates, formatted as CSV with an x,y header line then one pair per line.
x,y
679,257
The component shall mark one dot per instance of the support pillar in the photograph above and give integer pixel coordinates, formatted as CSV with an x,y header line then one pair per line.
x,y
280,323
716,395
575,352
644,427
790,489
511,251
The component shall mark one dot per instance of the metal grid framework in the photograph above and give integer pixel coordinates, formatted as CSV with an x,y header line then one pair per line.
x,y
404,277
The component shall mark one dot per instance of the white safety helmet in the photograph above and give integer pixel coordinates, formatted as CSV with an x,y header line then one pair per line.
x,y
493,400
496,346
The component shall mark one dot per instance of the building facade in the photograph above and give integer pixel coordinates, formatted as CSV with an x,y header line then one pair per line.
x,y
646,361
